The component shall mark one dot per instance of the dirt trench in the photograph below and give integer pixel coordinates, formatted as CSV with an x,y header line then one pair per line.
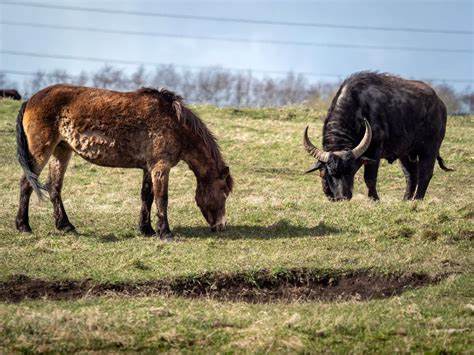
x,y
254,287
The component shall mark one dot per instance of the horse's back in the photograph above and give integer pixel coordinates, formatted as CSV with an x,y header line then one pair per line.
x,y
104,127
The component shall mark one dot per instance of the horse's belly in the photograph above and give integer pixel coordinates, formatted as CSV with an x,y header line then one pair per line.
x,y
98,148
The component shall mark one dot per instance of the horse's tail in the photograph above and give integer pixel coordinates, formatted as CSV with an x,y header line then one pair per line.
x,y
442,165
24,155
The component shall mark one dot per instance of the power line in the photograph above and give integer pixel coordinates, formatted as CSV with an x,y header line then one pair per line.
x,y
133,62
130,62
238,20
28,73
235,39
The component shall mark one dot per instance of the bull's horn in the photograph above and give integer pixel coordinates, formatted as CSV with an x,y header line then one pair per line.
x,y
316,166
312,150
365,142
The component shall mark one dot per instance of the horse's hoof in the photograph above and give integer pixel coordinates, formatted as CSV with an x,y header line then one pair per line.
x,y
23,228
68,228
147,231
166,236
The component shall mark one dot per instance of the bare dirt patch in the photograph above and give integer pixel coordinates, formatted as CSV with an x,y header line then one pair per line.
x,y
256,287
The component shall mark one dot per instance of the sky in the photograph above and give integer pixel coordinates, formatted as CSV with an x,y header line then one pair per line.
x,y
320,61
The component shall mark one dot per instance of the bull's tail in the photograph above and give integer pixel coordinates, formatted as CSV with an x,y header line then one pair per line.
x,y
24,155
441,164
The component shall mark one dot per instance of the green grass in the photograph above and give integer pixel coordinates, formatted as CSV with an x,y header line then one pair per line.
x,y
279,219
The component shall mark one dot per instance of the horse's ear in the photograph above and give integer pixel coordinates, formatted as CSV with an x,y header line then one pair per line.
x,y
225,175
225,172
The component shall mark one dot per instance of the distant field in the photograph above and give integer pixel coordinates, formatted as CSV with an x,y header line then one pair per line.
x,y
293,272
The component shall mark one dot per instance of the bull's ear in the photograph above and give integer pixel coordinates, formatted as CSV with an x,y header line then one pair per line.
x,y
366,160
225,172
316,166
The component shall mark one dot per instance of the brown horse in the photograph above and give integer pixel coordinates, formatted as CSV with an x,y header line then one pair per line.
x,y
147,129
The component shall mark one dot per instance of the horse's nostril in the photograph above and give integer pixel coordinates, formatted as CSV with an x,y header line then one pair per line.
x,y
218,227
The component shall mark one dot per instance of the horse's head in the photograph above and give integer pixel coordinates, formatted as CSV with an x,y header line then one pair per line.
x,y
211,195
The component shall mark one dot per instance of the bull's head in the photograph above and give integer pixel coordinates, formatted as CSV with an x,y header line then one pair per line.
x,y
337,169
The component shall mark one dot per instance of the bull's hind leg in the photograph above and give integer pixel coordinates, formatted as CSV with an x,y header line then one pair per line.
x,y
57,168
425,172
410,170
147,201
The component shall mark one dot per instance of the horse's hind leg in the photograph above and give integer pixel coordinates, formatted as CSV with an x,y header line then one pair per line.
x,y
57,168
22,219
39,160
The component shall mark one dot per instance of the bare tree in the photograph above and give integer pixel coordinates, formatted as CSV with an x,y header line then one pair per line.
x,y
242,89
167,76
467,100
58,76
110,78
138,78
81,79
6,83
449,97
36,83
222,87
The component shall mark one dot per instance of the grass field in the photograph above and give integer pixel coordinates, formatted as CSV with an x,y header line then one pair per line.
x,y
281,228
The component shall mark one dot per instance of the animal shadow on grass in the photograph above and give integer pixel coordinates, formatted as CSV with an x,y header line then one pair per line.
x,y
106,237
280,229
276,171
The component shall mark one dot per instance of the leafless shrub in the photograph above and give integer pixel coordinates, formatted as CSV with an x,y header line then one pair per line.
x,y
467,100
222,87
109,77
6,83
450,98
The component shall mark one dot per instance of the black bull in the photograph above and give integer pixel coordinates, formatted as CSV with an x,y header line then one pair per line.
x,y
10,93
378,116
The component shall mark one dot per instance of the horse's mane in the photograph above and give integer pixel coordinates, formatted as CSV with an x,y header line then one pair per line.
x,y
190,120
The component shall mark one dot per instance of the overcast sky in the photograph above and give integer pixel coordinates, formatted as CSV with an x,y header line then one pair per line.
x,y
445,15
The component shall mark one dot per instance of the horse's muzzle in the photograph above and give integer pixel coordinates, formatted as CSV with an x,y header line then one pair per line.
x,y
219,226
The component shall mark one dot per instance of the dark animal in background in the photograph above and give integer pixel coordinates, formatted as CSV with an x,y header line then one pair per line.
x,y
147,129
379,116
10,94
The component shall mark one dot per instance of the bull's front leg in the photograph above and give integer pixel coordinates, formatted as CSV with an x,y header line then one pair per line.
x,y
160,177
371,170
147,200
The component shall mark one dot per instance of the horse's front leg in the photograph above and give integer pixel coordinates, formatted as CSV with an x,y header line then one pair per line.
x,y
147,200
160,176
